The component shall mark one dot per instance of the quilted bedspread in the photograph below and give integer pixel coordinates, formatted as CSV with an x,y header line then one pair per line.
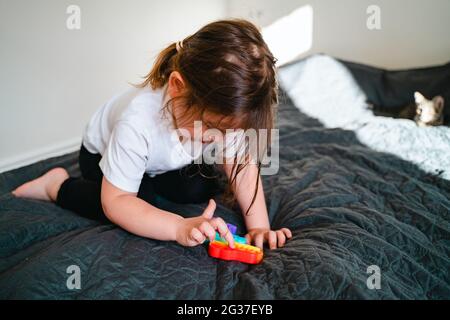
x,y
349,204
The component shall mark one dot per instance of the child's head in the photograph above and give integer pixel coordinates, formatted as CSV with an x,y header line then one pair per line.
x,y
223,75
225,70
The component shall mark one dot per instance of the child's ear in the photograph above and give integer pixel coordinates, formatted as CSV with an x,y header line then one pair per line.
x,y
438,103
419,97
176,84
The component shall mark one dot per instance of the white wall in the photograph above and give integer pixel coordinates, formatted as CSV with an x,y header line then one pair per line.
x,y
53,79
413,32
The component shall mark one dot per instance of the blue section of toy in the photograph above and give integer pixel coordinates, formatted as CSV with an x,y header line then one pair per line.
x,y
236,238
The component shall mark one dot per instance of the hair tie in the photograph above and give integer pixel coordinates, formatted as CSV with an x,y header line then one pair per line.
x,y
179,45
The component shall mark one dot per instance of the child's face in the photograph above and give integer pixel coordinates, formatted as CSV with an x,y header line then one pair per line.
x,y
206,128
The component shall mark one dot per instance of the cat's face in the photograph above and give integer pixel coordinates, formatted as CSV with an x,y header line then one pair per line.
x,y
428,110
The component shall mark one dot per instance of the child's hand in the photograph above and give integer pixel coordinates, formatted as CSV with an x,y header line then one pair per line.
x,y
260,235
194,231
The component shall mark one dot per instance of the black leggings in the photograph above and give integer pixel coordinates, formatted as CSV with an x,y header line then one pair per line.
x,y
195,183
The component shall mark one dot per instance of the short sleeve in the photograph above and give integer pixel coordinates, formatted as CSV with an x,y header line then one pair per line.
x,y
125,159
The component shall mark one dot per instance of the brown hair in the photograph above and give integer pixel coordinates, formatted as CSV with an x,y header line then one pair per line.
x,y
228,70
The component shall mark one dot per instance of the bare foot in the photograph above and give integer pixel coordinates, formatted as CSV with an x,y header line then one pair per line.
x,y
45,187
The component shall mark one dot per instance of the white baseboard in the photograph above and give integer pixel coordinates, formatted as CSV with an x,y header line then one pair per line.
x,y
36,155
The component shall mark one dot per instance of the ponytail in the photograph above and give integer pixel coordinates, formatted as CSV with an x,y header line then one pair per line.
x,y
163,66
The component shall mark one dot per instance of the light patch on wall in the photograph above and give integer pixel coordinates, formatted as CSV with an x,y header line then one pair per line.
x,y
291,35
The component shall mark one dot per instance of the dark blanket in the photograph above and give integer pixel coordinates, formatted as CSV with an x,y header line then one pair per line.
x,y
349,207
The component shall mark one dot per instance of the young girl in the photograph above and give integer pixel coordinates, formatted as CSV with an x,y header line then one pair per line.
x,y
224,76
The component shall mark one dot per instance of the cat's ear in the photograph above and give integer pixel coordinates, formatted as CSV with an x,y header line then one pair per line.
x,y
438,103
419,97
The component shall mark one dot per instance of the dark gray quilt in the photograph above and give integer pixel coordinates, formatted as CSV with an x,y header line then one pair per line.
x,y
349,207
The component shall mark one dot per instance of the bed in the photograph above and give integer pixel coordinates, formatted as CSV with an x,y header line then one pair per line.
x,y
359,192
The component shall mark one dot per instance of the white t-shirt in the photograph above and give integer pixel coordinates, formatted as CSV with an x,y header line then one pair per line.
x,y
134,137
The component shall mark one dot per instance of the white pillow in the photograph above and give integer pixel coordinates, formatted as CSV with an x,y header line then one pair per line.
x,y
323,88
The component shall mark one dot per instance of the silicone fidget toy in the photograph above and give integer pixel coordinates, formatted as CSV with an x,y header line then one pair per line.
x,y
242,252
233,230
236,238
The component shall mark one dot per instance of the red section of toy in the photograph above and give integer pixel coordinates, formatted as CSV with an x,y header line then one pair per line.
x,y
242,252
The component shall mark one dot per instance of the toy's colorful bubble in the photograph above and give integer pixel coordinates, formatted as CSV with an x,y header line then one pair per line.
x,y
232,228
236,238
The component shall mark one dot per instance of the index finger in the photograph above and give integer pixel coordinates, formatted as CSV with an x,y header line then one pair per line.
x,y
223,230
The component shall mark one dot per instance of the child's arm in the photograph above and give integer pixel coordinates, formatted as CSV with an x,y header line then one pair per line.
x,y
257,219
139,217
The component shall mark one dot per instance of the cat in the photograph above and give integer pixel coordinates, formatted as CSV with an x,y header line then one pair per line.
x,y
424,112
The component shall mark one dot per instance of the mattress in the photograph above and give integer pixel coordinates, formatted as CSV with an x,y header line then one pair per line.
x,y
354,205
